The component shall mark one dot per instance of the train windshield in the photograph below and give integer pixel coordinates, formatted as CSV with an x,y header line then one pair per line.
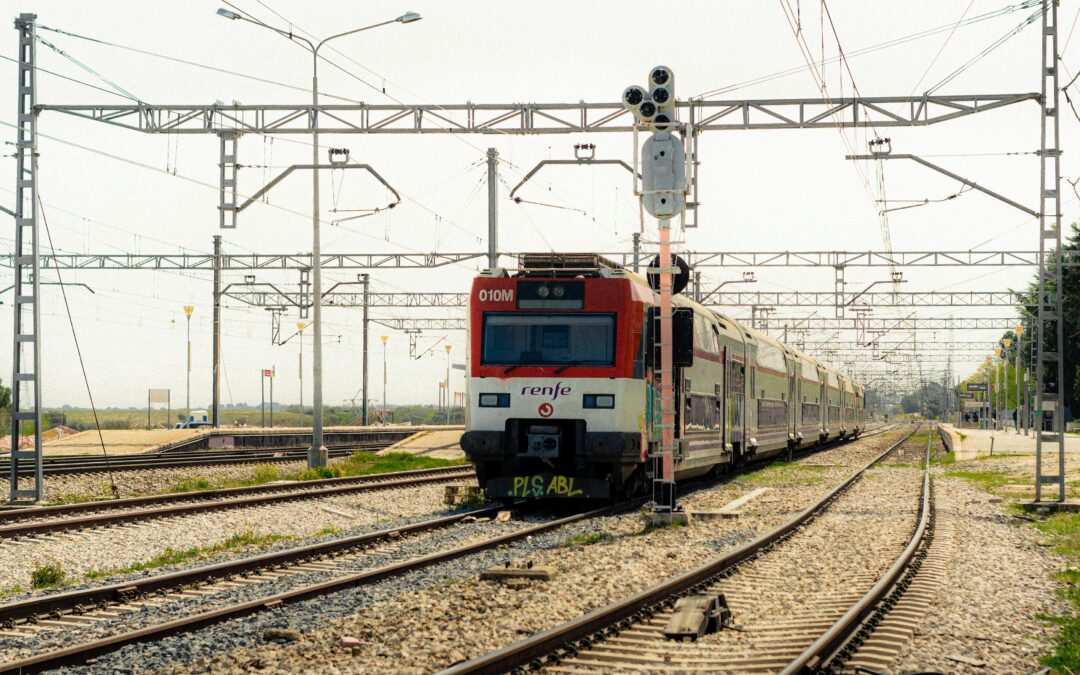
x,y
548,339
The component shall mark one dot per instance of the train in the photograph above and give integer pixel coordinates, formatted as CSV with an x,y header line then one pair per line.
x,y
563,385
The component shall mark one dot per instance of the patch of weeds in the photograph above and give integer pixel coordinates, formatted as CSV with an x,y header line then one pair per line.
x,y
365,463
47,575
899,465
71,498
653,527
328,530
173,556
265,473
589,539
781,471
943,460
192,485
471,499
14,590
986,480
319,473
1063,530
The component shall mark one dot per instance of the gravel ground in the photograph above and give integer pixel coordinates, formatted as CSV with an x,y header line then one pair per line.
x,y
133,483
116,547
414,623
998,581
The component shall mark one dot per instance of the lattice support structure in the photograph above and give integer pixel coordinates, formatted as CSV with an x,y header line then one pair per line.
x,y
1049,342
26,353
227,206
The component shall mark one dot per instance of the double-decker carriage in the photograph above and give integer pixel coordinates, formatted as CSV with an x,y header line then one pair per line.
x,y
563,395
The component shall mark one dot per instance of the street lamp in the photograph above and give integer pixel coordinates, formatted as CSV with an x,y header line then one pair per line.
x,y
317,454
1005,377
997,389
384,338
188,309
300,326
448,348
1021,395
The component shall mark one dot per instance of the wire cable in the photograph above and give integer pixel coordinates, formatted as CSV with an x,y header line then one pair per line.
x,y
78,351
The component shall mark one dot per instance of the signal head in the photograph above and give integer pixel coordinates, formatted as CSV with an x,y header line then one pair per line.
x,y
661,76
660,95
633,96
646,111
662,122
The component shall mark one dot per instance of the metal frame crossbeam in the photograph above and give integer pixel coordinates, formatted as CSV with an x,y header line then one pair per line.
x,y
538,118
881,299
773,323
361,261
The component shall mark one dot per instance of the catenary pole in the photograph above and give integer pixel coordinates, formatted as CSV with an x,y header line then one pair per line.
x,y
493,207
365,282
217,333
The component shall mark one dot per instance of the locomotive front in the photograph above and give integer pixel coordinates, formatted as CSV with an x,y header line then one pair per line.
x,y
556,388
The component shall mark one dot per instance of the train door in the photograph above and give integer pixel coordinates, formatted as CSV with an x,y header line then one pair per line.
x,y
793,377
737,404
823,409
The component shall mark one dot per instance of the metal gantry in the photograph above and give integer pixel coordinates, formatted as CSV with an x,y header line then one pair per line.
x,y
230,123
249,262
26,260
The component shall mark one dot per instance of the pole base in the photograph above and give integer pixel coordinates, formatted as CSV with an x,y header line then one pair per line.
x,y
667,518
317,456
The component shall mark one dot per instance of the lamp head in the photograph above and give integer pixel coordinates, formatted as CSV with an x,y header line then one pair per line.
x,y
228,14
1019,330
384,338
448,348
408,17
1007,342
188,309
300,326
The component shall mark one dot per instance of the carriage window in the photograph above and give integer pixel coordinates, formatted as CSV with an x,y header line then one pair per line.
x,y
548,339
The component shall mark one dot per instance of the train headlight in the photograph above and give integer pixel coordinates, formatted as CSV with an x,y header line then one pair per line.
x,y
494,400
559,291
599,401
543,291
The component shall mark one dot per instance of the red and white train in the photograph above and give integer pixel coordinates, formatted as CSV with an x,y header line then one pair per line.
x,y
563,394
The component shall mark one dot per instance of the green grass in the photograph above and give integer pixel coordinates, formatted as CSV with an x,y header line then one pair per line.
x,y
1063,531
359,464
943,460
986,480
780,472
47,575
899,465
589,539
327,530
172,556
14,590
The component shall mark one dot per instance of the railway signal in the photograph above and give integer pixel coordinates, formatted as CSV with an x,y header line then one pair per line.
x,y
663,195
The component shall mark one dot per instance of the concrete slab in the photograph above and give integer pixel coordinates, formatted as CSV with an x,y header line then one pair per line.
x,y
731,509
440,444
980,442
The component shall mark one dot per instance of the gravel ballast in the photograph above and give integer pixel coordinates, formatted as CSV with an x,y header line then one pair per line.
x,y
428,619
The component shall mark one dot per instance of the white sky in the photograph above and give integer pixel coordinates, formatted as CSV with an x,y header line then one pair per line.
x,y
761,190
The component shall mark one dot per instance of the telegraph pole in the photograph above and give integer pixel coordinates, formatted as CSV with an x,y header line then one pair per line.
x,y
364,282
493,207
217,331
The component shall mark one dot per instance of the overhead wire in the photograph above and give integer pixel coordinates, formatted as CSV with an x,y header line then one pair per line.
x,y
78,351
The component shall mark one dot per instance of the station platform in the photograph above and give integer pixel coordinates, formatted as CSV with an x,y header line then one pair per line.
x,y
982,442
438,443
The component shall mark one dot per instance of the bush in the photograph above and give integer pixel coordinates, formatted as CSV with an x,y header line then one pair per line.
x,y
47,575
265,473
118,423
320,472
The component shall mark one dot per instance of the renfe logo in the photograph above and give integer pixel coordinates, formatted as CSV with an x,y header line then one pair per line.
x,y
554,392
496,295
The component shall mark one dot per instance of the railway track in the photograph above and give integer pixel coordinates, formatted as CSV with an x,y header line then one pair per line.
x,y
330,560
809,634
70,609
31,522
83,464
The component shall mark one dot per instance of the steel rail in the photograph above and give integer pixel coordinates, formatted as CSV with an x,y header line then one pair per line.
x,y
76,654
826,647
12,515
260,498
647,602
171,461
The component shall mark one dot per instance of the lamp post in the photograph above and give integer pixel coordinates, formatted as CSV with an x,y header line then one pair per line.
x,y
986,395
997,389
384,338
1004,379
188,309
1020,408
300,326
317,454
448,348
